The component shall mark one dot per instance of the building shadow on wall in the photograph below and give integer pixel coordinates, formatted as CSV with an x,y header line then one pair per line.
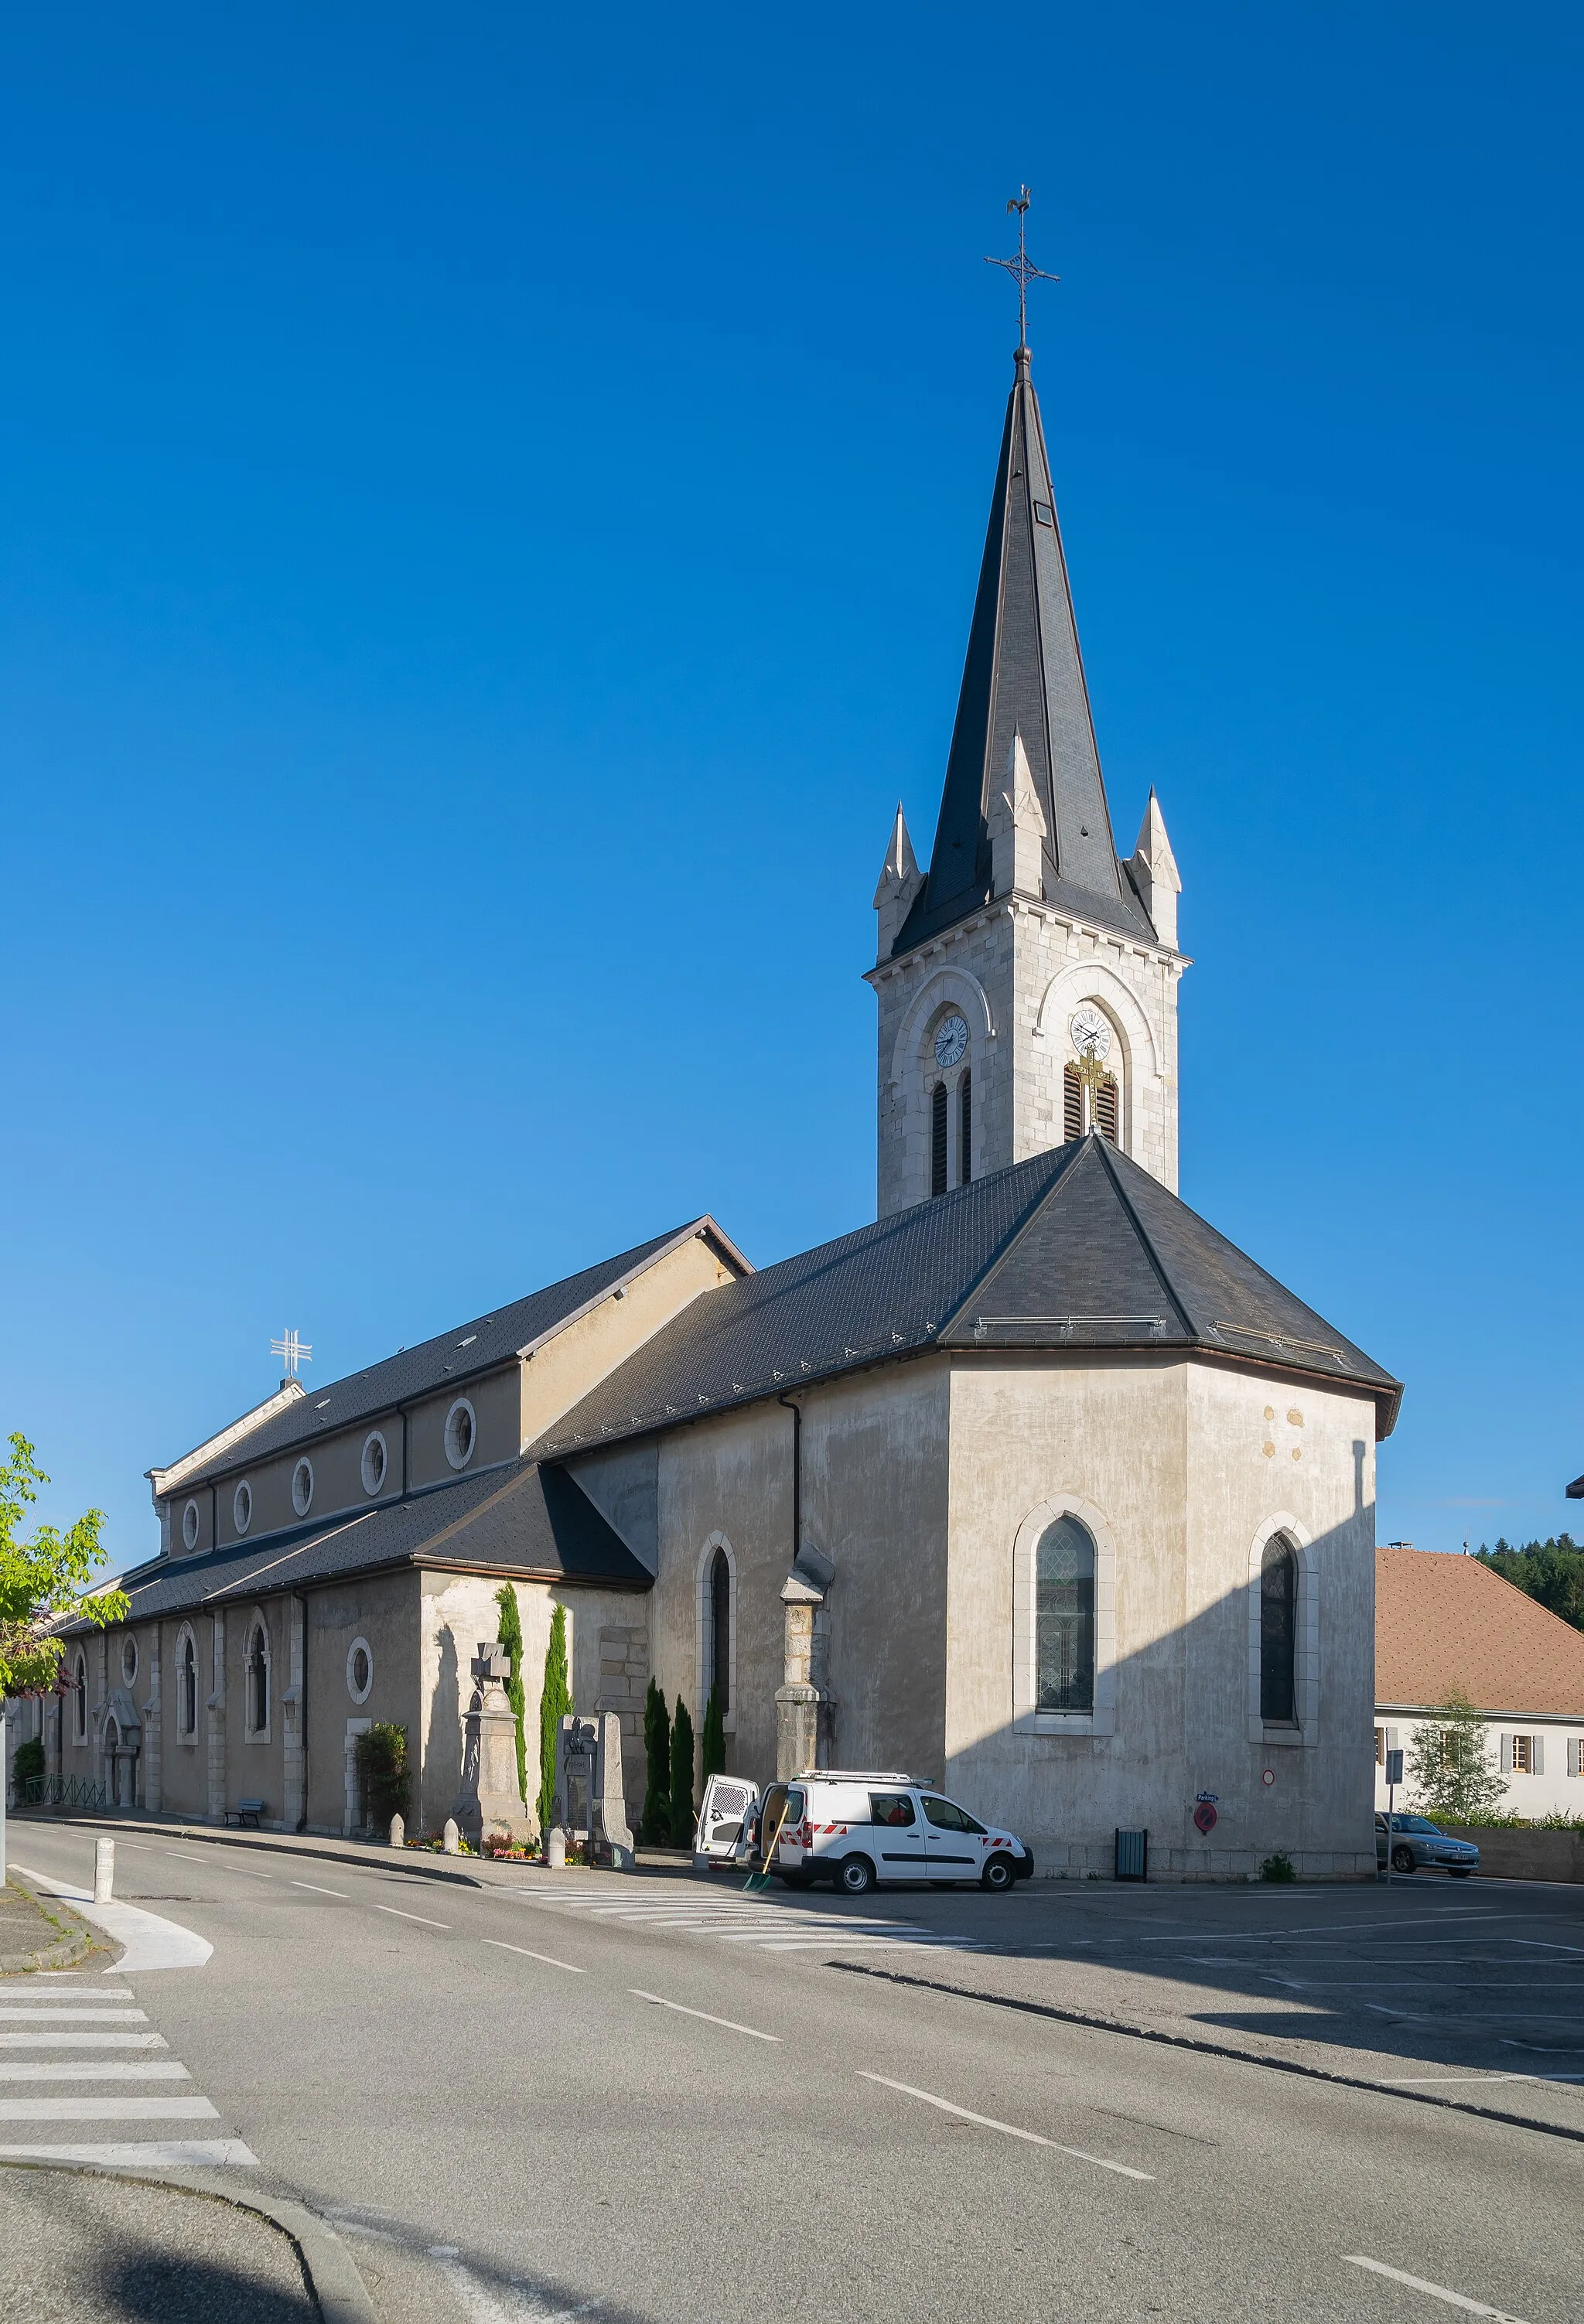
x,y
440,1776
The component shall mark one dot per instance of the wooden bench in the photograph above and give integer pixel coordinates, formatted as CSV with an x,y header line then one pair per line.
x,y
246,1812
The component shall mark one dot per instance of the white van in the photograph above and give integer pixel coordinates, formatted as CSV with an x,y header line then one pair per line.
x,y
727,1830
857,1827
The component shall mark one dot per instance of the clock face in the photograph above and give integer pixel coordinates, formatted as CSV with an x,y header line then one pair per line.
x,y
951,1042
1091,1032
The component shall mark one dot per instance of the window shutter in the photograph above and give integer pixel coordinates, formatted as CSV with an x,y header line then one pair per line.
x,y
1506,1754
1071,1103
1392,1742
1572,1754
937,1139
1105,1113
1537,1754
965,1150
1380,1746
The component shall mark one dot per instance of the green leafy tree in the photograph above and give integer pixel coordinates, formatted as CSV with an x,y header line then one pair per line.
x,y
511,1639
681,1778
554,1702
1551,1571
712,1743
657,1751
386,1777
43,1578
1449,1773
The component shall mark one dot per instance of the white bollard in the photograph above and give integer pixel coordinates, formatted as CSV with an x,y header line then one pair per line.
x,y
556,1849
398,1832
103,1871
451,1839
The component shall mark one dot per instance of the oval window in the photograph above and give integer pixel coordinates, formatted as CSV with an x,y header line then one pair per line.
x,y
190,1525
460,1431
128,1659
302,1488
360,1670
242,1507
373,1464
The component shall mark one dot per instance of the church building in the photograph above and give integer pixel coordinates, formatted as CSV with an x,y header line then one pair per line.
x,y
1037,1486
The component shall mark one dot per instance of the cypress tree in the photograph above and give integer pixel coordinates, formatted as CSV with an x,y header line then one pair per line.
x,y
511,1639
554,1703
656,1746
681,1778
712,1748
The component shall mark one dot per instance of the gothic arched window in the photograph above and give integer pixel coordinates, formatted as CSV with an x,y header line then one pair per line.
x,y
1063,1618
187,1689
1278,1631
258,1681
80,1712
937,1139
965,1148
718,1668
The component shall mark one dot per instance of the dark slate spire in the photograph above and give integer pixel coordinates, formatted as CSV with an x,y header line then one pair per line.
x,y
1024,675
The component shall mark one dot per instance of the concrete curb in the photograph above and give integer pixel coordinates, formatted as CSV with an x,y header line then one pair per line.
x,y
1206,2048
330,2269
64,1952
265,1843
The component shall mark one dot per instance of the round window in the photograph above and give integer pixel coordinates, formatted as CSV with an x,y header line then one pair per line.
x,y
460,1428
302,1488
190,1525
360,1670
128,1659
242,1507
373,1464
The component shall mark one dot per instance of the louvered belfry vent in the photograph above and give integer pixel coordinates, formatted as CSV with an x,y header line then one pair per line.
x,y
1071,1103
1105,1113
937,1139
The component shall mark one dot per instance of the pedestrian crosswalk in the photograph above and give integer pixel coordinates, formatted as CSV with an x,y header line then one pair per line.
x,y
730,1919
73,2054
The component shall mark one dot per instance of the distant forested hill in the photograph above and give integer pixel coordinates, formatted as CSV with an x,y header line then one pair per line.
x,y
1549,1571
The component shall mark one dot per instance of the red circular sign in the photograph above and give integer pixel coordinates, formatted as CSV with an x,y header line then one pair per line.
x,y
1205,1816
1269,1776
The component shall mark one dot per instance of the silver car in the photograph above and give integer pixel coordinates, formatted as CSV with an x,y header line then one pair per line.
x,y
1415,1840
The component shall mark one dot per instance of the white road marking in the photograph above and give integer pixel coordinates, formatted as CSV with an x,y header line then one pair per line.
x,y
401,1916
44,2013
730,2023
83,2042
108,2110
316,1891
1435,2291
243,1873
549,1959
67,2070
1008,2129
131,2154
1394,2079
185,1855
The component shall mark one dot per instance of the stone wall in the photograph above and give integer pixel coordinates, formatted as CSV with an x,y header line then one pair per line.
x,y
1507,1854
623,1682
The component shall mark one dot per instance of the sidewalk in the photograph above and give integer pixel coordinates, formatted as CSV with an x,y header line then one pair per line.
x,y
36,1936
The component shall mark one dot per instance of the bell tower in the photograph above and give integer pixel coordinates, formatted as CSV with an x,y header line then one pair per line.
x,y
1027,979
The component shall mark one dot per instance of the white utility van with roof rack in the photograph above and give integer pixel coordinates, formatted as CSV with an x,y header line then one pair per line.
x,y
858,1827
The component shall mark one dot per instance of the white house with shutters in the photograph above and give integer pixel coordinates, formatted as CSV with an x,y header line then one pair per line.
x,y
1445,1622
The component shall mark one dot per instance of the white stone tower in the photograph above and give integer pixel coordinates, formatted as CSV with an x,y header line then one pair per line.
x,y
1027,981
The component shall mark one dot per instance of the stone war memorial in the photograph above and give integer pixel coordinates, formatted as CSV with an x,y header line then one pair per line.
x,y
1034,1483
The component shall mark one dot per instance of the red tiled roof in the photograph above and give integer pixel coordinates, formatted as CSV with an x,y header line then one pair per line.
x,y
1443,1621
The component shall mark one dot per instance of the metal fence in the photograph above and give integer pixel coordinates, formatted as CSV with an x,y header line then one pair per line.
x,y
62,1792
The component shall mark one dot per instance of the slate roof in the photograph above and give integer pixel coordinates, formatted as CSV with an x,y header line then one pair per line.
x,y
454,1356
1024,674
531,1523
1078,1248
1443,1621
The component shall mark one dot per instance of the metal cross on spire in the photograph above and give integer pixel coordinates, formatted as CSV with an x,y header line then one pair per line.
x,y
1022,269
292,1352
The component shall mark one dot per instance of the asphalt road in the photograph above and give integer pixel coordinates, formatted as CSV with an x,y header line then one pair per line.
x,y
647,2099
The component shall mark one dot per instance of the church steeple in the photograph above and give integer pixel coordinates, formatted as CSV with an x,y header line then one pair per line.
x,y
1024,677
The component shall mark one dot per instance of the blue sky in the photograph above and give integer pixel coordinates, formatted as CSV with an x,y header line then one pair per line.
x,y
491,503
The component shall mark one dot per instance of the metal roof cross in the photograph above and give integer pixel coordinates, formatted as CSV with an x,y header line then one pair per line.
x,y
1022,269
291,1351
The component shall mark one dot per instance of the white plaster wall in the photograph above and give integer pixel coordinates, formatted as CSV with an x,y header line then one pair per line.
x,y
1017,970
1170,1454
1554,1792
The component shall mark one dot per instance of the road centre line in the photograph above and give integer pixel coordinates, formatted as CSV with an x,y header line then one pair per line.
x,y
401,1916
730,2023
1436,2290
549,1959
1008,2129
315,1890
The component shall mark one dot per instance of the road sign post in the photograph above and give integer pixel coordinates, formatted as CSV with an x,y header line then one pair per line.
x,y
1394,1772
